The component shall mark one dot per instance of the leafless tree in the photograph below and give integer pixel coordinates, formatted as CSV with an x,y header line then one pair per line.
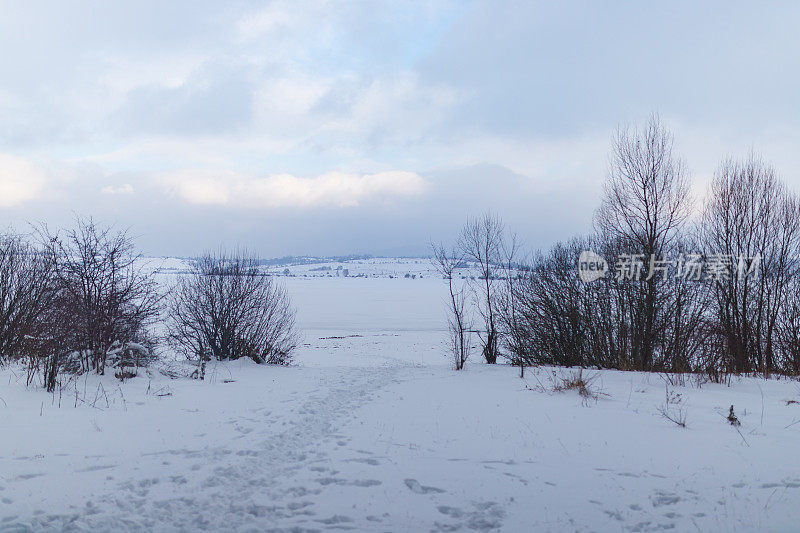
x,y
481,241
227,309
655,322
789,328
459,323
105,298
752,221
645,204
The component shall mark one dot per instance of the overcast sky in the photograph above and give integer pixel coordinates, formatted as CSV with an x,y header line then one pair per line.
x,y
371,127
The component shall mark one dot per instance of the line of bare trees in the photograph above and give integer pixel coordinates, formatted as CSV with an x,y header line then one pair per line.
x,y
82,300
671,316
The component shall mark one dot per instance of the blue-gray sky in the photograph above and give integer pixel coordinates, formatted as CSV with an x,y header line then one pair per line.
x,y
328,127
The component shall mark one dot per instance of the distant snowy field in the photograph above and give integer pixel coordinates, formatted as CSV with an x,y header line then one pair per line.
x,y
372,431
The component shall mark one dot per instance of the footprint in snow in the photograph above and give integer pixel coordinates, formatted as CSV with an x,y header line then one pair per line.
x,y
661,498
296,506
24,477
95,468
367,461
415,487
366,483
484,516
334,520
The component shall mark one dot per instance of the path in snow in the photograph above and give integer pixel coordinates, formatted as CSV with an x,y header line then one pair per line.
x,y
250,477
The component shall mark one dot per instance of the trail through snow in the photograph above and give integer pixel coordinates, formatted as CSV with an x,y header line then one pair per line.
x,y
253,479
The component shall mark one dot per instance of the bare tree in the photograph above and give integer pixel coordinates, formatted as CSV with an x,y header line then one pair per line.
x,y
645,205
481,241
789,328
105,298
752,222
459,324
228,309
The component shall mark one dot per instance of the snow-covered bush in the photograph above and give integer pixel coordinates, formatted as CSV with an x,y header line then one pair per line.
x,y
26,292
228,309
70,303
103,298
29,322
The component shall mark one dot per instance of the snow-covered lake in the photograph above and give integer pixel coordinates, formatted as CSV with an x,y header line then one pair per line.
x,y
372,431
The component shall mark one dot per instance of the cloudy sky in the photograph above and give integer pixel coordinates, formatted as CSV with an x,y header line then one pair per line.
x,y
327,127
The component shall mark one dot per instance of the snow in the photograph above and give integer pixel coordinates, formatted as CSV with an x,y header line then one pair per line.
x,y
372,431
318,267
377,267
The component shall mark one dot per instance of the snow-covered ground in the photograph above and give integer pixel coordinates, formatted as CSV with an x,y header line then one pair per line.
x,y
372,431
316,267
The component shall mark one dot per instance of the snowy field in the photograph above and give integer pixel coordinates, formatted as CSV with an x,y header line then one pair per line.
x,y
372,431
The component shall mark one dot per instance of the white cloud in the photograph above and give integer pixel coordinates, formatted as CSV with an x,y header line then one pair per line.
x,y
294,94
265,21
125,188
20,180
332,189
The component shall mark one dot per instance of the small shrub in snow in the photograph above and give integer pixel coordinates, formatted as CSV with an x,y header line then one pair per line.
x,y
733,419
228,309
673,408
576,381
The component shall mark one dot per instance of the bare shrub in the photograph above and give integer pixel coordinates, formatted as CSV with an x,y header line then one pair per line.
x,y
26,293
30,328
673,408
552,311
104,300
584,386
227,309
